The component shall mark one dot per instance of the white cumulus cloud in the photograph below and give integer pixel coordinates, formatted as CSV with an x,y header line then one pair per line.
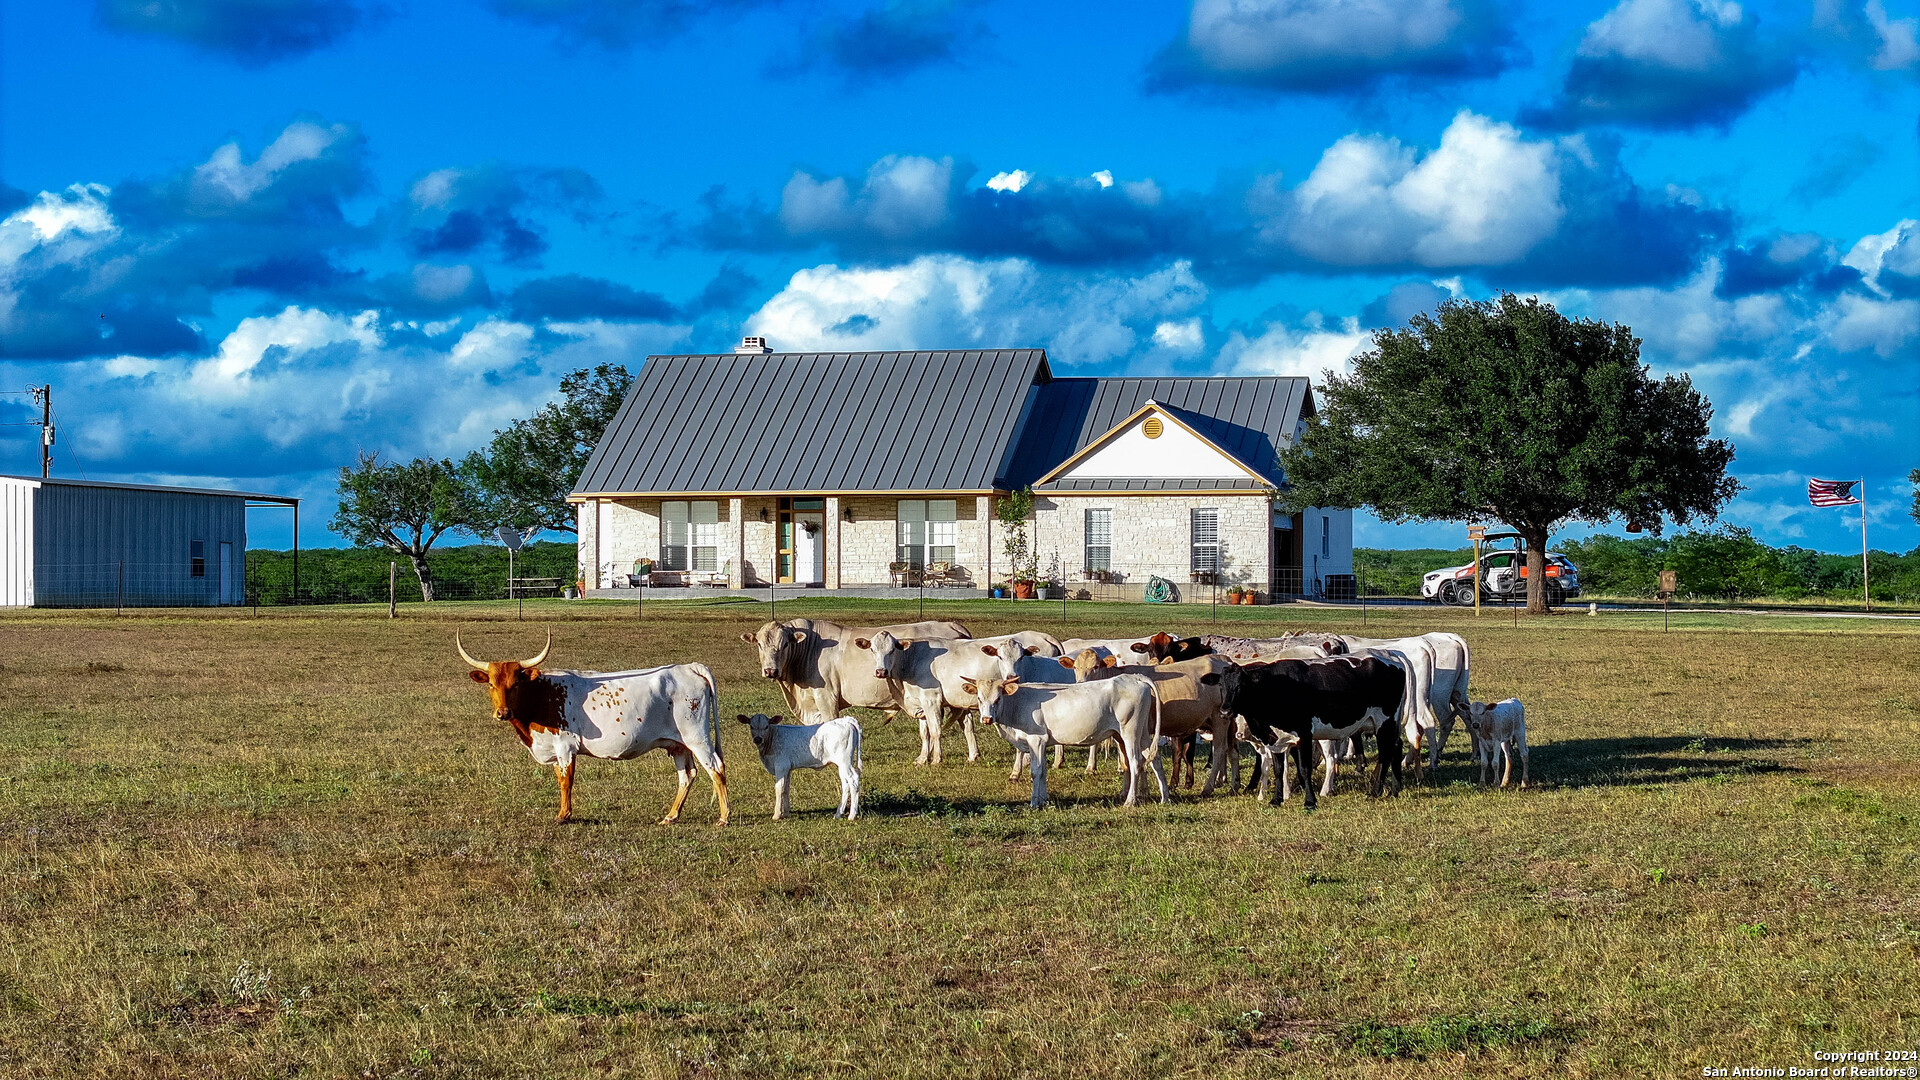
x,y
1484,196
947,301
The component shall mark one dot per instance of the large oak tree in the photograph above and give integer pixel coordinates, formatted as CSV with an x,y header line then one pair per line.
x,y
1508,411
405,508
523,477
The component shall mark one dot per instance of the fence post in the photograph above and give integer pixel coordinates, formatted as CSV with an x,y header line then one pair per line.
x,y
393,569
1360,586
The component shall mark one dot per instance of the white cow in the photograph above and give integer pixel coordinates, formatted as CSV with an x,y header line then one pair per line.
x,y
1500,731
821,672
929,676
1032,718
563,715
786,747
1437,667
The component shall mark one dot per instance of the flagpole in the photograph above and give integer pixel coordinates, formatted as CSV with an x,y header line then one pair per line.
x,y
1864,594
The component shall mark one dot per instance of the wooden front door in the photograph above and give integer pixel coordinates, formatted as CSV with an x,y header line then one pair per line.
x,y
797,557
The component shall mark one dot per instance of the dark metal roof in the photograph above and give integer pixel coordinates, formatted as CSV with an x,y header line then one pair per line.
x,y
1151,483
1250,418
287,499
796,422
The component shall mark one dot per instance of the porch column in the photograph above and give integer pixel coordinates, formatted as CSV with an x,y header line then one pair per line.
x,y
983,510
737,568
832,540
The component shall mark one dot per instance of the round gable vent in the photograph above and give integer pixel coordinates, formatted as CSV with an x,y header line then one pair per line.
x,y
1153,427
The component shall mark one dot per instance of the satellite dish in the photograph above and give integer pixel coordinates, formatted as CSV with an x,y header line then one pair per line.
x,y
510,537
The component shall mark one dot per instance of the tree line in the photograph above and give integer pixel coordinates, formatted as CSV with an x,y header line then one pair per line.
x,y
1725,564
519,480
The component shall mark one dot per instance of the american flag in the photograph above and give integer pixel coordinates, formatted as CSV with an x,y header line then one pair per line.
x,y
1831,492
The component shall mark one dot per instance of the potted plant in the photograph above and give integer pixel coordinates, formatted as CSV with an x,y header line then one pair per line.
x,y
1234,594
999,591
1013,512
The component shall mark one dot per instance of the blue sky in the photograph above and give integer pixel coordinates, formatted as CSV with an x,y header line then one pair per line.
x,y
245,238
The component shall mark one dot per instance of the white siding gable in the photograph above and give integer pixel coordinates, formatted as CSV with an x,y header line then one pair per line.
x,y
1176,454
16,542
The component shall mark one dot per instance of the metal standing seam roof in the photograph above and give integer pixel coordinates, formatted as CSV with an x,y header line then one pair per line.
x,y
1248,417
797,422
162,488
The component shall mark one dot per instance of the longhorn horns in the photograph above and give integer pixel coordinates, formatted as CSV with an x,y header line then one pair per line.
x,y
480,665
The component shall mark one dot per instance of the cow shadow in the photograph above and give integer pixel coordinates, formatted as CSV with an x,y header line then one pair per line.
x,y
1630,761
1637,761
915,803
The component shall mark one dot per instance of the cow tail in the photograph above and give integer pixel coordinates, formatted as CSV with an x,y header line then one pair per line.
x,y
1153,744
713,713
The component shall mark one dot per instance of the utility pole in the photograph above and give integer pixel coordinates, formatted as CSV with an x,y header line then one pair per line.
x,y
44,395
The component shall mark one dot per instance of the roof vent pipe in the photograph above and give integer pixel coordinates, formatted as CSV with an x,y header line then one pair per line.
x,y
753,345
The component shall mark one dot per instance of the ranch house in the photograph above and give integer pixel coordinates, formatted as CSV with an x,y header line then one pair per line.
x,y
884,469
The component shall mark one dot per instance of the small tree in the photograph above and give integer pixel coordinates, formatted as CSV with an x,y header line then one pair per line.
x,y
1013,512
524,475
1508,411
404,508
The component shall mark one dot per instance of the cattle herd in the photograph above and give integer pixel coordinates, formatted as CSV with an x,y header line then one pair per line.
x,y
1295,698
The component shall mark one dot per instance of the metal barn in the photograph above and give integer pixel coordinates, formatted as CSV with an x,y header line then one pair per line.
x,y
89,543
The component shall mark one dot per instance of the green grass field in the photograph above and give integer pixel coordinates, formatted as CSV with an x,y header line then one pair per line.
x,y
299,845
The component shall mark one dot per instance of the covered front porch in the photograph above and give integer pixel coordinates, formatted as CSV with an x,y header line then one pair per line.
x,y
821,541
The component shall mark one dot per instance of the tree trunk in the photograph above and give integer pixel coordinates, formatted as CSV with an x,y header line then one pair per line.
x,y
425,573
1536,570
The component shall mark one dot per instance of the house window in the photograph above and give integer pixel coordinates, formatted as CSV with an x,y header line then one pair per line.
x,y
1326,536
690,535
1206,539
926,531
1099,540
197,558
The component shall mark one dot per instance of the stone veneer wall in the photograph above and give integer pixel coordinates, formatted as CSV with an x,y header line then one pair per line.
x,y
1152,534
869,542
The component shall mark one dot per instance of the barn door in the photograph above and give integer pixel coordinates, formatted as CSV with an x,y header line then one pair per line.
x,y
226,572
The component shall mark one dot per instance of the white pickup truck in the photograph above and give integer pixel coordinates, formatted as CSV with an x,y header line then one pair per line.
x,y
1502,576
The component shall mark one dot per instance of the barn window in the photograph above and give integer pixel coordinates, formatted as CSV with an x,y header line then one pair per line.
x,y
926,531
1206,539
1099,540
197,558
1326,536
690,535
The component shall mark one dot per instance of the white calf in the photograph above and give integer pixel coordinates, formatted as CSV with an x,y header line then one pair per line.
x,y
1499,728
786,747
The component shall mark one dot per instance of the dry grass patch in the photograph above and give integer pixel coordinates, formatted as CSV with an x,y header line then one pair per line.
x,y
298,845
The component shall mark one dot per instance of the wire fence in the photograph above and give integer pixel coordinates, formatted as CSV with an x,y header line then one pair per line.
x,y
266,584
204,583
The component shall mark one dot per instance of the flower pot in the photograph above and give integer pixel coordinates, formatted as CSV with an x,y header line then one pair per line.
x,y
1246,598
999,592
1023,590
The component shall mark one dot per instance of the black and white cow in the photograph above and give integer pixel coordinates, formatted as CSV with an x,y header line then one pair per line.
x,y
1335,698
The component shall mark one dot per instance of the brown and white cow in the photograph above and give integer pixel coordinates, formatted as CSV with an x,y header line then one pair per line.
x,y
561,716
821,671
